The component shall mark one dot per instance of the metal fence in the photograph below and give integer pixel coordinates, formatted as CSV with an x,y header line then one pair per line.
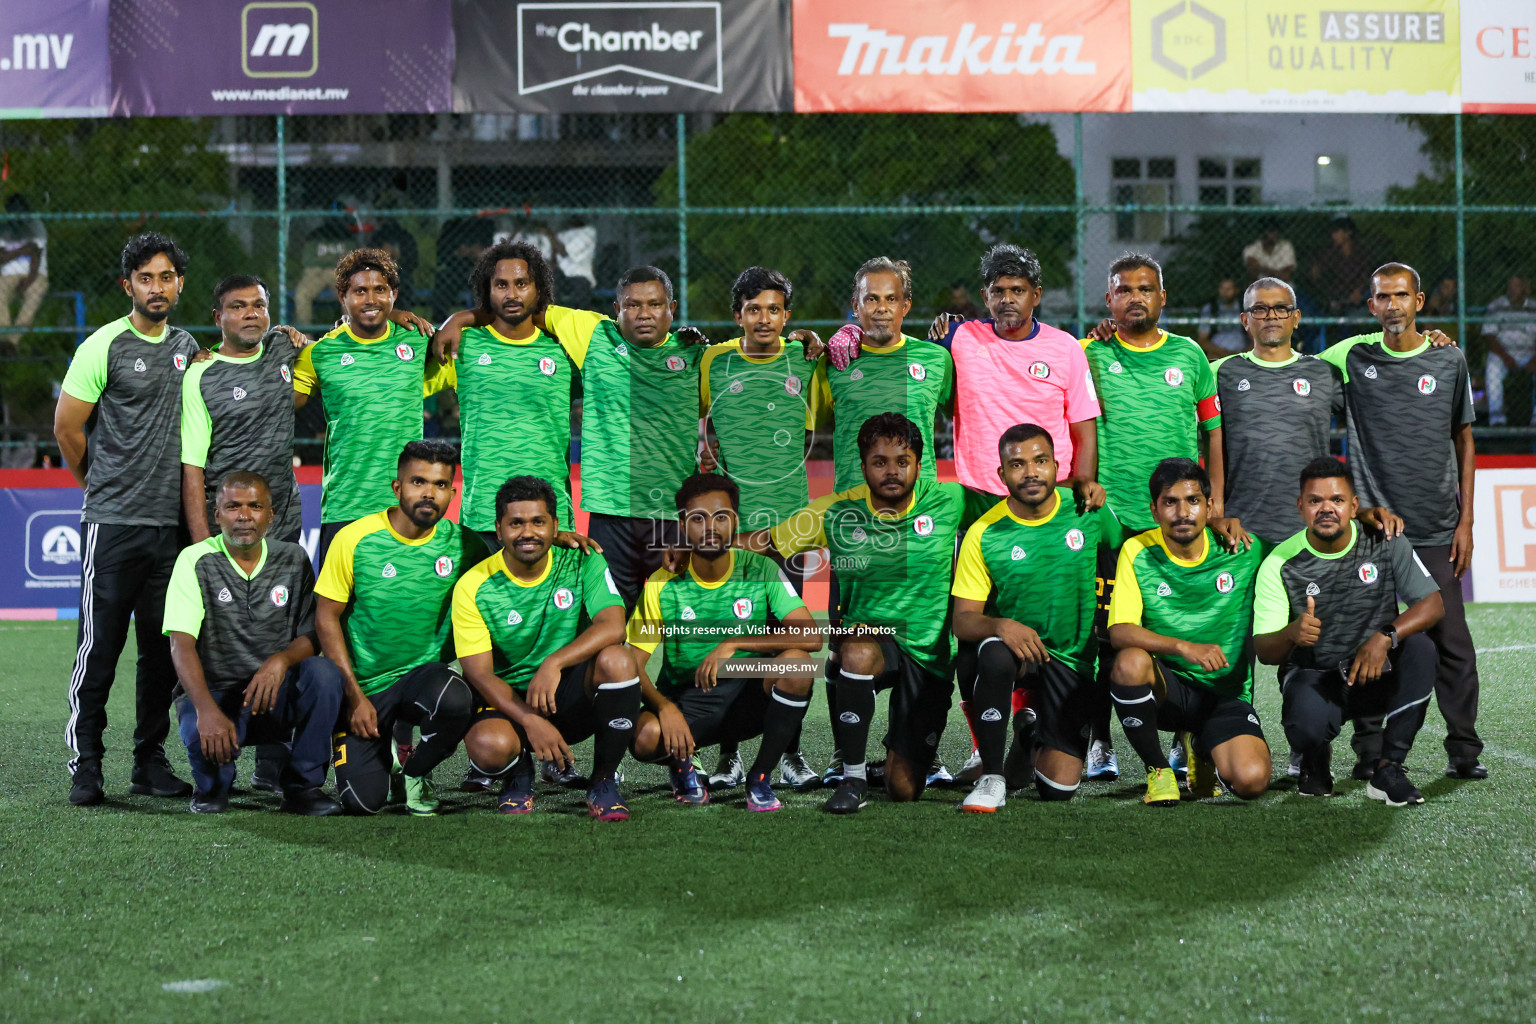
x,y
704,196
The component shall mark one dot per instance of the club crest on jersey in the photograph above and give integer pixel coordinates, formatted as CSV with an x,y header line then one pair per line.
x,y
917,371
347,360
1039,371
279,595
138,366
1225,583
1173,376
225,597
287,373
1369,573
546,366
485,359
239,393
1301,386
404,351
1243,385
791,385
179,361
564,598
736,387
1164,590
741,607
443,566
689,614
676,363
1427,384
388,572
1115,367
922,525
1075,539
857,374
1370,372
513,618
1018,554
1313,590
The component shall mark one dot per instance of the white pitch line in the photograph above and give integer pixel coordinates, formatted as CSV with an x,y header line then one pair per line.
x,y
1511,647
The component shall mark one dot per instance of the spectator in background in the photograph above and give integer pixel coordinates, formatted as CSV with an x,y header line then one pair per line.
x,y
1510,332
1440,305
960,302
575,253
328,242
23,265
1270,255
1221,330
393,238
1337,275
459,244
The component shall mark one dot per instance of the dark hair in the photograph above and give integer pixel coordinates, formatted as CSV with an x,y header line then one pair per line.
x,y
1007,260
485,269
883,265
1326,467
890,426
233,283
753,281
17,203
1021,432
1393,269
434,450
1135,261
526,488
1266,282
359,260
1172,471
143,248
640,275
703,483
244,478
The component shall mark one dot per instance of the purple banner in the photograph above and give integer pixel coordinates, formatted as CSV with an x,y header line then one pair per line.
x,y
201,57
53,59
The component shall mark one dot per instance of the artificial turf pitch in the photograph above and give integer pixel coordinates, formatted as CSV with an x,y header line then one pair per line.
x,y
1288,909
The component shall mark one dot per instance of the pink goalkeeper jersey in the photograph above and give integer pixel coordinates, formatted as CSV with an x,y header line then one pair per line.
x,y
1043,379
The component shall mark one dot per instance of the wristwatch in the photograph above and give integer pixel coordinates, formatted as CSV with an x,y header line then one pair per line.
x,y
1390,632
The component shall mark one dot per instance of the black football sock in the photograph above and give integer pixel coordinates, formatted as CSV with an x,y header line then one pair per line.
x,y
990,703
781,723
616,706
1137,708
855,708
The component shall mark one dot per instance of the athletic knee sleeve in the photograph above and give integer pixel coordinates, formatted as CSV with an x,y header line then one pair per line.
x,y
1051,790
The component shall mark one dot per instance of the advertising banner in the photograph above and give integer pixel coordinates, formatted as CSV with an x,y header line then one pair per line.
x,y
985,55
1498,57
195,57
53,59
1398,56
1504,535
622,57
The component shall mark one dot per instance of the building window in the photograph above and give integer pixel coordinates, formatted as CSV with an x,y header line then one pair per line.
x,y
1332,182
1146,182
1229,181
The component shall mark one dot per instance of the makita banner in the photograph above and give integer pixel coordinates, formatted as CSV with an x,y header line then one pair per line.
x,y
196,57
621,57
985,55
53,59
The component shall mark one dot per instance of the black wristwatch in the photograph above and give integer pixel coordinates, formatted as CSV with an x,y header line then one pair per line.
x,y
1390,632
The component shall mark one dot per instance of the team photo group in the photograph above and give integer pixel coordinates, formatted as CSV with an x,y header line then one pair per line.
x,y
1130,531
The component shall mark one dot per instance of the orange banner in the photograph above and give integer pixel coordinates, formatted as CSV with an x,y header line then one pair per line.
x,y
947,56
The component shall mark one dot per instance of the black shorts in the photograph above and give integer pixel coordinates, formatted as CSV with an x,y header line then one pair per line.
x,y
919,707
1060,697
361,756
1210,718
574,715
730,712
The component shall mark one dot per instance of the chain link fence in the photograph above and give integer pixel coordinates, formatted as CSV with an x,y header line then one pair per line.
x,y
704,196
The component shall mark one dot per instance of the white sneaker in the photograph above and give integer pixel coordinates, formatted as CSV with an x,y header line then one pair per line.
x,y
729,773
1102,765
795,773
1177,761
971,770
991,792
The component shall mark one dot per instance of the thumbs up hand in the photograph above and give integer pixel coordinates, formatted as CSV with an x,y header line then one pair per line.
x,y
1308,626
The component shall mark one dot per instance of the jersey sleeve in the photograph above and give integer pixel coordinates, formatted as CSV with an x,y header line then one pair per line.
x,y
1337,356
704,365
1112,532
1207,403
644,632
86,377
805,530
336,574
1125,603
573,329
1271,606
780,593
305,380
183,597
972,580
1462,412
470,633
598,590
437,377
196,424
821,393
1414,583
1082,399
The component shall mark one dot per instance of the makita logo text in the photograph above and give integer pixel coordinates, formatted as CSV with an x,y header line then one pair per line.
x,y
874,51
580,37
33,52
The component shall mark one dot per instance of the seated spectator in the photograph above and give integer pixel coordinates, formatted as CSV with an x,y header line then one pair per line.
x,y
1271,255
23,265
1221,332
575,253
1510,332
1340,275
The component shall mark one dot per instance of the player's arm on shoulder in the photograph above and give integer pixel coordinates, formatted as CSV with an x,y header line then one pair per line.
x,y
804,530
446,339
572,328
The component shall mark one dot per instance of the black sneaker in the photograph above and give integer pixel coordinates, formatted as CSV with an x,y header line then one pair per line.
x,y
312,803
849,798
1365,769
1315,776
213,803
1390,785
1470,769
267,778
1019,764
153,777
85,790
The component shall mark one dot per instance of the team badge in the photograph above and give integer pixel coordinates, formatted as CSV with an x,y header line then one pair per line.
x,y
1301,386
546,366
1369,573
1225,583
1173,376
514,619
620,723
1075,539
279,595
741,607
1039,371
404,351
1370,371
917,371
1313,590
922,525
791,385
347,360
689,614
564,598
1115,367
1217,400
1163,590
179,361
485,359
735,388
239,393
138,366
848,718
857,374
1243,385
992,715
443,566
1427,384
1131,723
225,597
287,373
1018,553
621,349
389,571
1254,719
676,363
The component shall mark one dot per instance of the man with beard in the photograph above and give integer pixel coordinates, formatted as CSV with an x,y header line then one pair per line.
x,y
385,597
372,375
1325,610
1180,620
125,383
539,631
1409,409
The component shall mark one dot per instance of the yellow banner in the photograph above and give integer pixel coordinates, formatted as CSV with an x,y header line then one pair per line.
x,y
1274,55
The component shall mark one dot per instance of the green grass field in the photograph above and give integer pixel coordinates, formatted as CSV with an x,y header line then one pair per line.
x,y
1287,909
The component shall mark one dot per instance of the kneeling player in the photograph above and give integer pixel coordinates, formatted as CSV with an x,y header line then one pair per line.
x,y
1179,618
385,594
1325,610
240,612
1038,554
539,631
709,618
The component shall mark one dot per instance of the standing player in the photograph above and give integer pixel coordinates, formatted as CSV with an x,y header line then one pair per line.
x,y
1035,553
1179,620
125,382
727,605
1409,408
385,597
240,614
540,630
1325,610
372,375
